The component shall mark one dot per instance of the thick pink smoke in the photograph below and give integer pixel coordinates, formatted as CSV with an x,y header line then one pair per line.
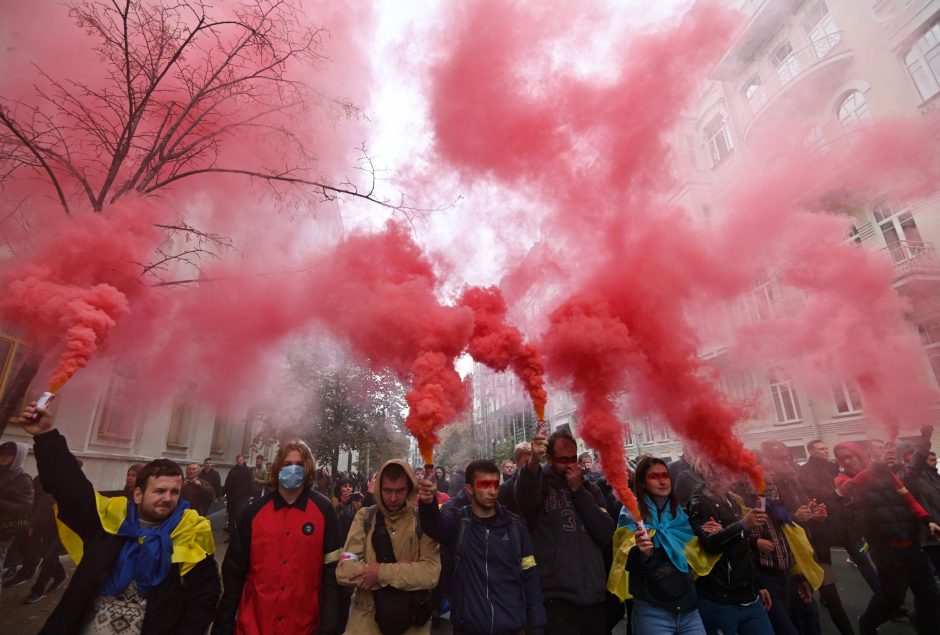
x,y
598,151
499,345
68,297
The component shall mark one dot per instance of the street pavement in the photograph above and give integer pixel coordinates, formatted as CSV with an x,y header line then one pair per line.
x,y
17,618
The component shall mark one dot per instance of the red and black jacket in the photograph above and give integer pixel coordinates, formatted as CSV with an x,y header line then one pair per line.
x,y
279,573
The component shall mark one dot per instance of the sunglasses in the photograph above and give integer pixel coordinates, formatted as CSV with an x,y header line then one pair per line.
x,y
564,460
486,484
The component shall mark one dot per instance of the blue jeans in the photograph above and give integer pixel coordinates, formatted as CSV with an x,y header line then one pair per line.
x,y
652,620
725,619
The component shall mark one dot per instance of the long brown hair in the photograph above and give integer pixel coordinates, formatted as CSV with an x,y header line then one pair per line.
x,y
641,469
310,466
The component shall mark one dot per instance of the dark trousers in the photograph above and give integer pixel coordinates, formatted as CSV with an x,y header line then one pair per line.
x,y
865,566
898,570
51,565
567,618
234,510
829,596
778,584
933,554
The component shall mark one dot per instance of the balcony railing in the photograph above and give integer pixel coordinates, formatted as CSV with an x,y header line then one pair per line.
x,y
795,65
913,256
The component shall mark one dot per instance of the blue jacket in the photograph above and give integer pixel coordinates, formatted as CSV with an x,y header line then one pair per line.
x,y
495,591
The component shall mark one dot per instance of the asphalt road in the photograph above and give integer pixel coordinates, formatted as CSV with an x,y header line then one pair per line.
x,y
17,618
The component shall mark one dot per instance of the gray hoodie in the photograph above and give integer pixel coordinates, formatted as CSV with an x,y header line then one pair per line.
x,y
16,494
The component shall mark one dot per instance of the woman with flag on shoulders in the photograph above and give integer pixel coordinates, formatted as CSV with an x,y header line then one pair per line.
x,y
657,565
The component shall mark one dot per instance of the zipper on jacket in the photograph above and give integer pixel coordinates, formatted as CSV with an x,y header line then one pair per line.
x,y
486,569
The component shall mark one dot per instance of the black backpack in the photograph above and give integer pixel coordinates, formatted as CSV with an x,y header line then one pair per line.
x,y
396,610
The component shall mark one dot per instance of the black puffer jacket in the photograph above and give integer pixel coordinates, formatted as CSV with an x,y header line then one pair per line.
x,y
889,515
733,580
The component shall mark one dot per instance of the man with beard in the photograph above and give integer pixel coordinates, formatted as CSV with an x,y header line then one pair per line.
x,y
280,568
493,555
145,565
570,531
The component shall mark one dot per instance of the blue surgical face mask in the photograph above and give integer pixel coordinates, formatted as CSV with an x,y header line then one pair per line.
x,y
291,476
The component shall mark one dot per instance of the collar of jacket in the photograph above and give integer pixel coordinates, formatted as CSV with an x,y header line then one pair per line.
x,y
300,503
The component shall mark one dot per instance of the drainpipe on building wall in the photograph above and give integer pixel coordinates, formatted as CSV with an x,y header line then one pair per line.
x,y
811,404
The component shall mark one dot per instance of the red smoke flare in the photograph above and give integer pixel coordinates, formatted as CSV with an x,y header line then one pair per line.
x,y
84,285
594,348
499,345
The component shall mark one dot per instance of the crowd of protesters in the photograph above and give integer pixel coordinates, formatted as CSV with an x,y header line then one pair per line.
x,y
537,544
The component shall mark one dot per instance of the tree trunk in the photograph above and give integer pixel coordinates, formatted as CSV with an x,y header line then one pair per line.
x,y
16,388
334,463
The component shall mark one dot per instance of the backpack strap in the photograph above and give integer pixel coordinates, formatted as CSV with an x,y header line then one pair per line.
x,y
462,532
369,520
514,537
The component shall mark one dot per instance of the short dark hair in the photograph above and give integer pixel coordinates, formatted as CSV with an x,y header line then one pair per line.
x,y
555,436
156,469
485,466
394,472
809,446
208,458
260,456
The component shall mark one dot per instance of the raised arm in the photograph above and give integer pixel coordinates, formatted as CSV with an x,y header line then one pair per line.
x,y
61,476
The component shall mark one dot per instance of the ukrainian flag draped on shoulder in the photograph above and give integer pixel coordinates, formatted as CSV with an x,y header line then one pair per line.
x,y
671,532
186,535
803,556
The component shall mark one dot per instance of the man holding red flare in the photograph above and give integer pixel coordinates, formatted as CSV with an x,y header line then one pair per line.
x,y
889,516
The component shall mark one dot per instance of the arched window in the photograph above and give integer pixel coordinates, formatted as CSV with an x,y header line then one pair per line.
x,y
923,62
853,111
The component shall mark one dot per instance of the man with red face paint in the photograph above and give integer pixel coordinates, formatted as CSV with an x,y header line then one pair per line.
x,y
495,585
571,530
889,517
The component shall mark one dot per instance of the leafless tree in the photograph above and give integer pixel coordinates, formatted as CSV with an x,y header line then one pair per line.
x,y
182,79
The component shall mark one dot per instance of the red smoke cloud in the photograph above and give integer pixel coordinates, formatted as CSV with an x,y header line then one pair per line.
x,y
597,150
499,345
78,284
640,271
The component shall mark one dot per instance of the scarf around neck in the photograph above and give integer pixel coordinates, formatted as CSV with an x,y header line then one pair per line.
x,y
672,533
145,558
